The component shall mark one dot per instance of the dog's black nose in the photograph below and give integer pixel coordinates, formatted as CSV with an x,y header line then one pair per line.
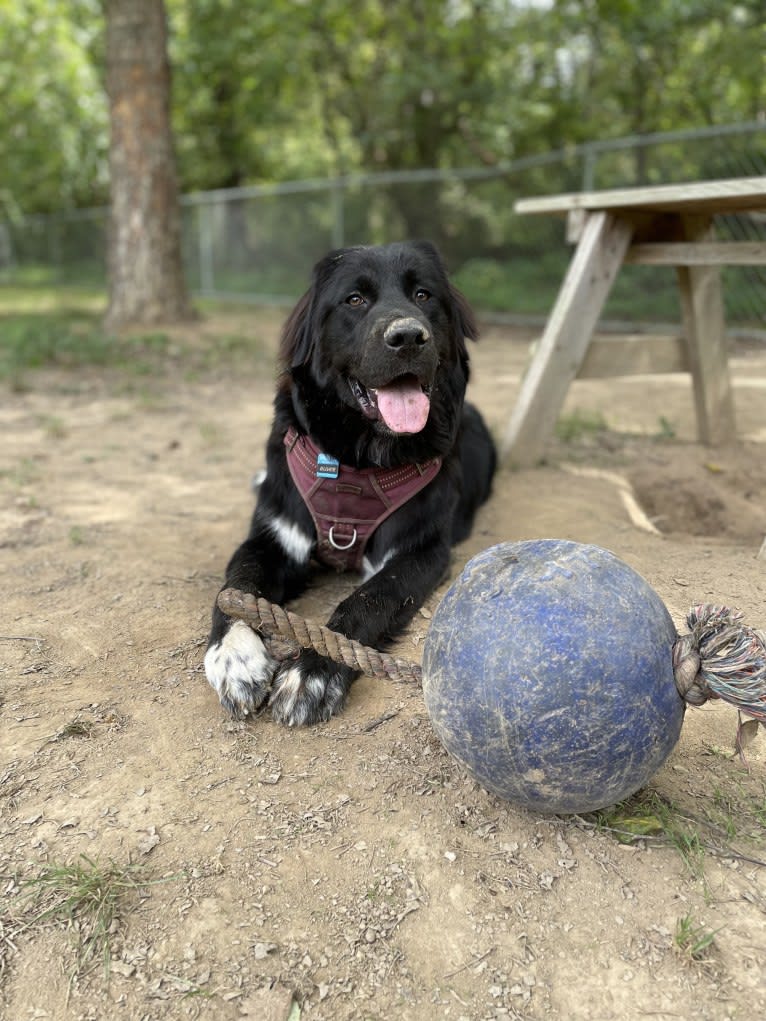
x,y
406,335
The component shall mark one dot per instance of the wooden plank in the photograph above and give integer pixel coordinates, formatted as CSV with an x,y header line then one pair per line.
x,y
575,224
635,355
710,253
724,196
587,283
702,308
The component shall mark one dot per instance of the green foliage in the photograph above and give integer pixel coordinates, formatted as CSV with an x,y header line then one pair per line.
x,y
53,114
526,285
289,89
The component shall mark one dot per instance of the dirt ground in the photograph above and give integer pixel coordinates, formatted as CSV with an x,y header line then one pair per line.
x,y
351,870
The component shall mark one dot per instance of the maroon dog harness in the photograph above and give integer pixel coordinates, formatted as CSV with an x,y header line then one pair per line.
x,y
347,504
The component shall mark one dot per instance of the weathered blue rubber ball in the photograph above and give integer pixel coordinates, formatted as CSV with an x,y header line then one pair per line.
x,y
547,672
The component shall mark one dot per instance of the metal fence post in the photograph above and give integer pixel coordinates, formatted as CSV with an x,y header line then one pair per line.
x,y
339,214
589,157
205,249
54,246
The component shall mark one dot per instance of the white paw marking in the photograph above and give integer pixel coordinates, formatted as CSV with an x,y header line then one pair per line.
x,y
287,689
240,669
298,699
293,540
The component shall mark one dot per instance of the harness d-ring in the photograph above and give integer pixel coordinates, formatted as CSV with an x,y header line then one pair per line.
x,y
335,545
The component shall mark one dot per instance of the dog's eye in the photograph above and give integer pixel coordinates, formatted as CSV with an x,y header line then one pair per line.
x,y
422,295
355,299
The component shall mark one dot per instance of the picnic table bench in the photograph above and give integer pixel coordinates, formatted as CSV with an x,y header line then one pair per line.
x,y
665,225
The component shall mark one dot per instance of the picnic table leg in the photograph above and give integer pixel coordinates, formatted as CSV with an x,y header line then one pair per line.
x,y
596,261
705,339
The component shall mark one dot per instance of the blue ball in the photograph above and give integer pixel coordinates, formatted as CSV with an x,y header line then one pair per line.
x,y
547,672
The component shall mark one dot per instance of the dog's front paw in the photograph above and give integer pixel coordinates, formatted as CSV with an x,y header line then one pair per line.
x,y
309,690
240,670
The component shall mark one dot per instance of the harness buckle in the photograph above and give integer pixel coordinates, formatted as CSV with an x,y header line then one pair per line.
x,y
336,545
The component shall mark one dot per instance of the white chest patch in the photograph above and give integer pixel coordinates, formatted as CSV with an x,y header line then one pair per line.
x,y
293,540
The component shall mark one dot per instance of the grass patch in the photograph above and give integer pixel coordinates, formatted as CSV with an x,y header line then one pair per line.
x,y
33,341
666,429
738,809
730,823
71,340
647,815
61,330
578,425
76,536
76,728
89,899
25,473
53,426
39,295
694,942
210,433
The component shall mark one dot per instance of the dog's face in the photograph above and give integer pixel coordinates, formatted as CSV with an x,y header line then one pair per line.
x,y
382,328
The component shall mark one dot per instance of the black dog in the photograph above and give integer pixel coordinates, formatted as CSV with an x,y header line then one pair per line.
x,y
370,425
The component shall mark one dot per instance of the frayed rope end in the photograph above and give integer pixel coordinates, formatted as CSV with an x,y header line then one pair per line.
x,y
721,658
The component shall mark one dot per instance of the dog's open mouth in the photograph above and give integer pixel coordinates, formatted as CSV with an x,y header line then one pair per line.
x,y
403,404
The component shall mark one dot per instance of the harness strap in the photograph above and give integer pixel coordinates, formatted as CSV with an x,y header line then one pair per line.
x,y
348,504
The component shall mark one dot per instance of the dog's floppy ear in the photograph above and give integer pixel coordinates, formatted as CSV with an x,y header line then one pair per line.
x,y
462,315
296,343
298,335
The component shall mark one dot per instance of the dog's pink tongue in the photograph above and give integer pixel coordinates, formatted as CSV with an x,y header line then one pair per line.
x,y
403,406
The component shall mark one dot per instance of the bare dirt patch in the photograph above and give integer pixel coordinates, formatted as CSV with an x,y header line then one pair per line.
x,y
351,869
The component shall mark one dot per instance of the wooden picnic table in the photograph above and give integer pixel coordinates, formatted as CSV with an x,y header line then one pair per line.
x,y
665,225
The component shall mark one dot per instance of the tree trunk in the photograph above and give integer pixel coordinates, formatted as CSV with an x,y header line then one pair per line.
x,y
146,281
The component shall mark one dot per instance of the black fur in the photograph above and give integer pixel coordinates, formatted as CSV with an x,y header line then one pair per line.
x,y
339,348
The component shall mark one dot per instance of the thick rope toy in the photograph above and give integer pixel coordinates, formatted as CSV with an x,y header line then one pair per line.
x,y
720,657
297,633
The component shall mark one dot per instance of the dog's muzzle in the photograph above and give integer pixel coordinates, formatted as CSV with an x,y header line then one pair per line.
x,y
406,335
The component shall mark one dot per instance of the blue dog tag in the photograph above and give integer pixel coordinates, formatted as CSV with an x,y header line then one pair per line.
x,y
327,467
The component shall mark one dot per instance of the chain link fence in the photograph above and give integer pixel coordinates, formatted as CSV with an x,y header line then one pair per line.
x,y
258,244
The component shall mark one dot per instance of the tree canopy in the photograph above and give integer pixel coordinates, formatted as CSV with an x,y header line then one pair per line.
x,y
53,113
269,90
